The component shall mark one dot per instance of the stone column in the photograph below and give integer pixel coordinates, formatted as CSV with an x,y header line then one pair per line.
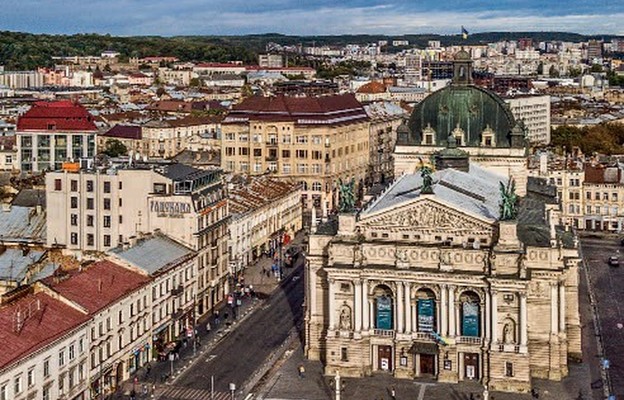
x,y
332,304
357,301
523,319
487,323
451,311
444,306
562,310
494,304
365,306
554,310
399,308
408,307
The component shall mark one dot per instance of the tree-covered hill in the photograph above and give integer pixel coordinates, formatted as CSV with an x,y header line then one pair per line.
x,y
27,51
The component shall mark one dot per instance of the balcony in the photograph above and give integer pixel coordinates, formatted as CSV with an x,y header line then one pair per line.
x,y
177,314
272,143
178,290
389,333
426,336
469,340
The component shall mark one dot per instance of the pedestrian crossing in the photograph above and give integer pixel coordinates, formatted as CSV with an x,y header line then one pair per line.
x,y
182,393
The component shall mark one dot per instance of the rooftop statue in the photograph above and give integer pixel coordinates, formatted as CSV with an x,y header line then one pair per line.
x,y
509,200
346,202
427,180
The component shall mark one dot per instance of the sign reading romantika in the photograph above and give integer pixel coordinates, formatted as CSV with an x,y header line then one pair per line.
x,y
173,209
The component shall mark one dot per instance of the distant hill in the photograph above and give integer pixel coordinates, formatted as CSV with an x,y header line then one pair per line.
x,y
28,51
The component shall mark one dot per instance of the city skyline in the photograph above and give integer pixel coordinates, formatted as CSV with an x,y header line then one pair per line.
x,y
131,17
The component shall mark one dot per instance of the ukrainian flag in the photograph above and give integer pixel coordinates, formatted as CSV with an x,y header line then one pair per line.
x,y
464,33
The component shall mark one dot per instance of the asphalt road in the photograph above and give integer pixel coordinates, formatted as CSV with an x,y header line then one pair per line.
x,y
608,287
245,349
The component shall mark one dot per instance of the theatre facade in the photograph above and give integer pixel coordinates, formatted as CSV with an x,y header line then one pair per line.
x,y
435,284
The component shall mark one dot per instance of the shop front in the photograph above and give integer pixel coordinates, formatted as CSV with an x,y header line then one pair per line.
x,y
139,356
102,383
160,338
425,359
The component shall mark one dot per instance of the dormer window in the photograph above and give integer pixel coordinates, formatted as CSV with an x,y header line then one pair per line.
x,y
51,126
488,139
428,136
458,134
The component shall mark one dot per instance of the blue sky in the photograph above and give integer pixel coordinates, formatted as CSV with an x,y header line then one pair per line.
x,y
309,17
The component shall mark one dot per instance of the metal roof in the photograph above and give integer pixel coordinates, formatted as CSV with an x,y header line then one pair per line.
x,y
23,225
153,253
14,263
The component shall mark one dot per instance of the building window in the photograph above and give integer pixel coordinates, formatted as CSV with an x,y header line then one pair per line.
x,y
74,219
81,345
509,369
90,239
4,389
61,357
72,351
74,202
17,387
107,221
285,153
30,377
57,185
89,220
89,186
45,393
107,187
90,204
46,368
343,354
120,185
73,238
107,204
121,220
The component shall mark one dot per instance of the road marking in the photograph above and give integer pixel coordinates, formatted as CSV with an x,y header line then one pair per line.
x,y
423,388
182,393
211,357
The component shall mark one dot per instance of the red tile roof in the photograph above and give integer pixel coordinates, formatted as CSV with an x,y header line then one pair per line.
x,y
62,115
99,285
47,320
124,132
338,109
372,88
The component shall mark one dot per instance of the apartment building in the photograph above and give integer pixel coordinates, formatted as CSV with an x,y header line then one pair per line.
x,y
312,140
534,111
97,210
118,303
173,269
271,60
166,138
51,133
48,355
385,118
266,213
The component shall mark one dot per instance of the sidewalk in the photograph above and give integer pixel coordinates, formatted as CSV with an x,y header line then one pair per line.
x,y
159,376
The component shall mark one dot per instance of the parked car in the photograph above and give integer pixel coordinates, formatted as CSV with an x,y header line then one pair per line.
x,y
614,261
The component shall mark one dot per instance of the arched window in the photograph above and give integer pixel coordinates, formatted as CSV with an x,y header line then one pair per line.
x,y
426,310
470,314
384,315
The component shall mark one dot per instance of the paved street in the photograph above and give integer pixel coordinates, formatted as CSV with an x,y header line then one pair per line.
x,y
608,288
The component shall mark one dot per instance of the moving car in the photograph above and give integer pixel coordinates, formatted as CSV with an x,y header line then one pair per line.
x,y
614,261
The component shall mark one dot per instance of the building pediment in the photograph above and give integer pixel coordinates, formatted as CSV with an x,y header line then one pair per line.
x,y
426,216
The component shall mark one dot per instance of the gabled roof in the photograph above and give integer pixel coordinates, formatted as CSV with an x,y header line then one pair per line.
x,y
98,285
154,254
22,225
48,320
56,116
124,132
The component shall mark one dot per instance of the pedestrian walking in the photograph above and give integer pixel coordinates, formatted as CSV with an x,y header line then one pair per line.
x,y
208,327
301,371
393,393
132,395
148,368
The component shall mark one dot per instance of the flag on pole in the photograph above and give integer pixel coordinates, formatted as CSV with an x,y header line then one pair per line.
x,y
464,33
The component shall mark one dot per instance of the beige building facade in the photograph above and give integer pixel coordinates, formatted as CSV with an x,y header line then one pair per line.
x,y
312,140
438,286
534,112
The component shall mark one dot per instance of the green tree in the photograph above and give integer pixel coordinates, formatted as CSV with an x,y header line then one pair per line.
x,y
114,148
195,82
596,68
553,72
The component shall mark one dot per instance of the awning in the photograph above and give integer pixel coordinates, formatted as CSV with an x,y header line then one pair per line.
x,y
423,348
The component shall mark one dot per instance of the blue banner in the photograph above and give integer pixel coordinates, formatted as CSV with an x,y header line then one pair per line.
x,y
426,315
470,321
384,313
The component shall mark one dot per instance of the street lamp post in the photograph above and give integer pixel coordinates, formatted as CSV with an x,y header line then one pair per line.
x,y
232,389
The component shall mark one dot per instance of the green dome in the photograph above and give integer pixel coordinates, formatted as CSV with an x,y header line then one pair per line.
x,y
465,109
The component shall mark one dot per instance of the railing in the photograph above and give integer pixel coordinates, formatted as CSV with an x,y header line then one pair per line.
x,y
177,314
425,336
383,332
509,348
469,340
177,290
